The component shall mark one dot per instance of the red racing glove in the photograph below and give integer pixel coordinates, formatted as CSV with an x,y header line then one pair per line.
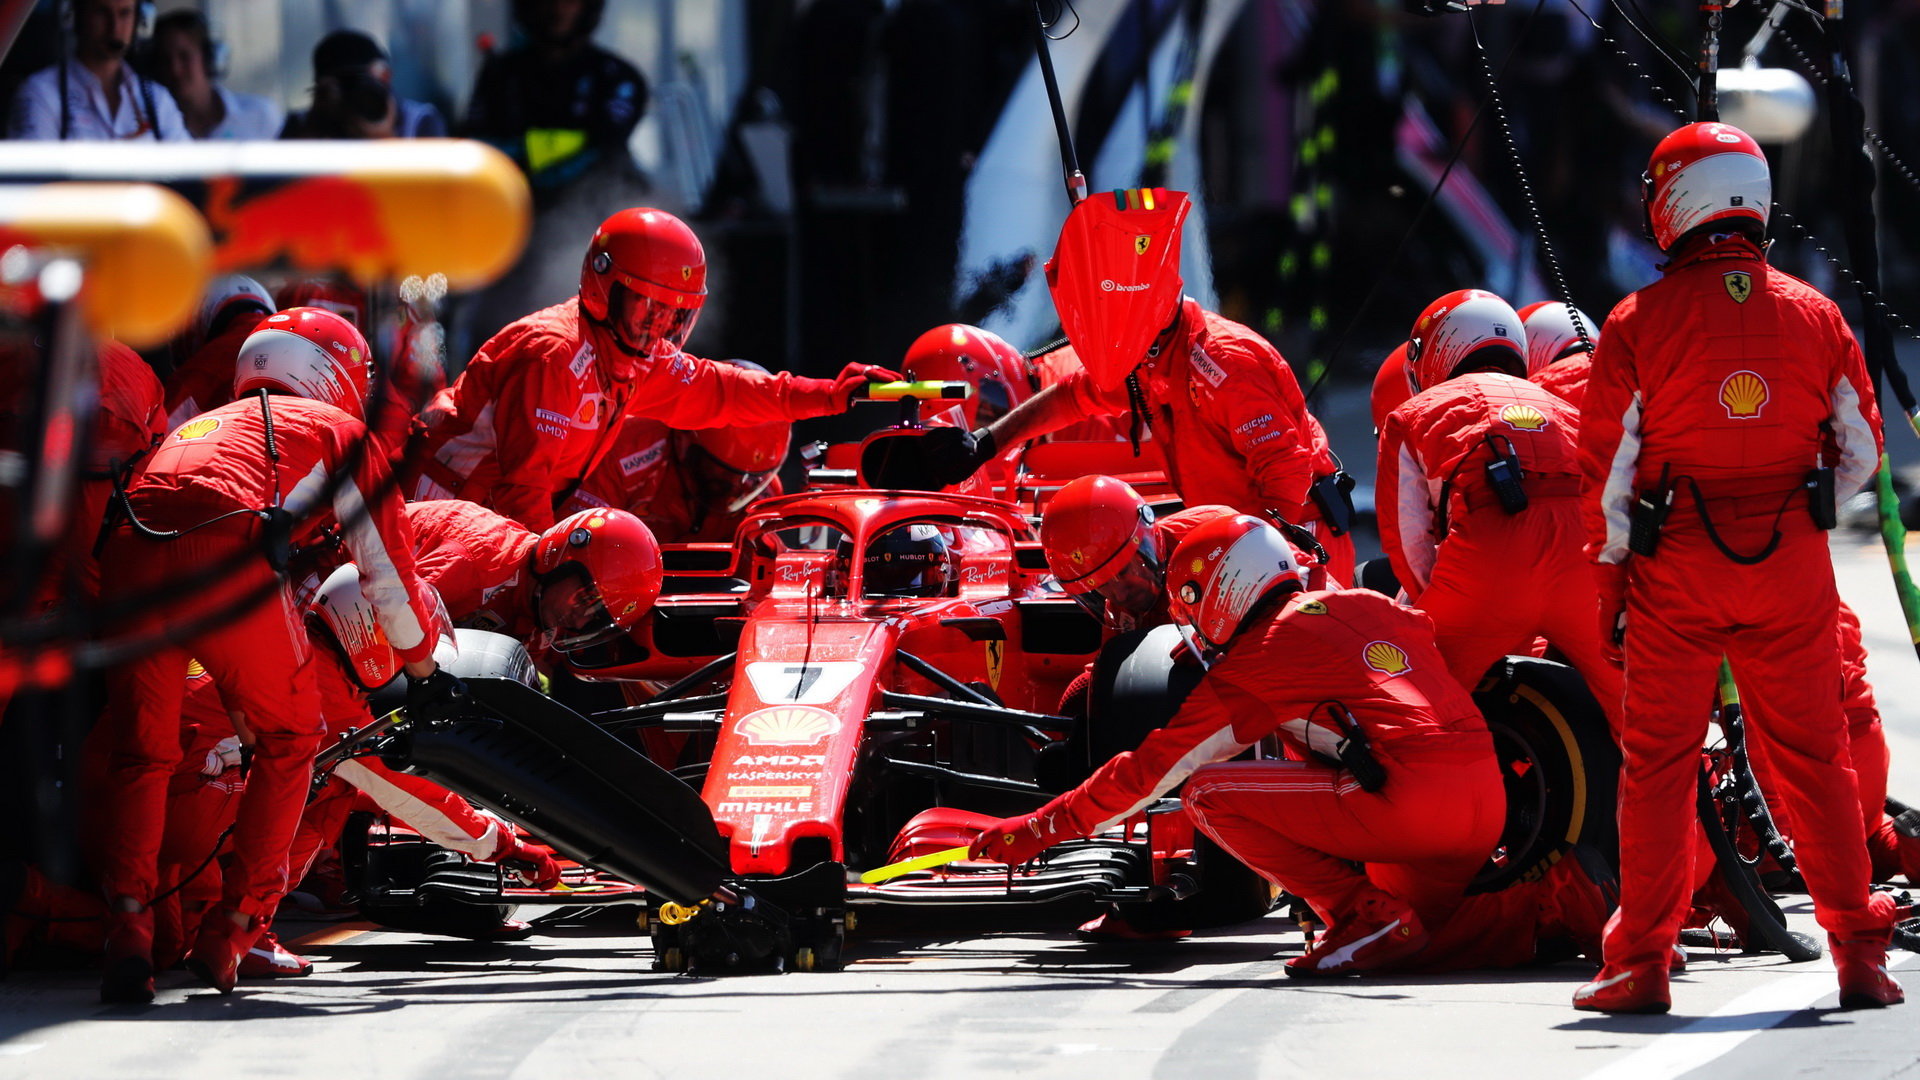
x,y
854,376
533,865
1015,840
1611,579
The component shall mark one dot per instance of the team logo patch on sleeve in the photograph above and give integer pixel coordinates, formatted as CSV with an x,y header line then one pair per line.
x,y
1739,285
1141,243
1386,658
1745,394
1523,418
1210,371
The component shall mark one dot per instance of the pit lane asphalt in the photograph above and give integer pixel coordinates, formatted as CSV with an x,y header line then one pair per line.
x,y
929,996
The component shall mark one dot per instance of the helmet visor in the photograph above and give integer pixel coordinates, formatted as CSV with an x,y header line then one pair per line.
x,y
1129,598
573,614
645,326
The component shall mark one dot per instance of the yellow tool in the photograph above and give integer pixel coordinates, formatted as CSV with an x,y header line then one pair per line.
x,y
674,914
907,866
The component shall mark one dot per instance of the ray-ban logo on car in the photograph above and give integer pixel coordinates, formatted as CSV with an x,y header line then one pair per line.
x,y
788,725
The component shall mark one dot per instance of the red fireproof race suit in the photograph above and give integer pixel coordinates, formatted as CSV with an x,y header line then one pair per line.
x,y
1567,378
1226,410
530,415
1491,581
205,380
1301,823
1868,754
1724,375
242,625
127,424
480,564
1054,366
630,474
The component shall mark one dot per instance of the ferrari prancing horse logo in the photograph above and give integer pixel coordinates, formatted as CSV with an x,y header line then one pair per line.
x,y
1739,285
1141,243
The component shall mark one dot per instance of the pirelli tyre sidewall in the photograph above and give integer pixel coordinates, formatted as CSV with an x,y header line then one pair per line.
x,y
1558,764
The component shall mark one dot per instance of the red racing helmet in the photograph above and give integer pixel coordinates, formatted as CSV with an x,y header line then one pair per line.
x,y
618,558
1093,528
1391,386
655,257
1702,174
961,353
1221,572
1465,327
307,352
1551,334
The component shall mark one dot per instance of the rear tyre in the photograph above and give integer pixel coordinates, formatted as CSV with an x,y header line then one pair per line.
x,y
1558,764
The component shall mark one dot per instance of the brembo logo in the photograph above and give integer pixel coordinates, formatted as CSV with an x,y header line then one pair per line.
x,y
1110,285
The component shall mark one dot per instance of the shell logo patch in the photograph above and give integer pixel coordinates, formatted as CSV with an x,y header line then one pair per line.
x,y
194,668
1523,418
788,725
1739,285
197,429
1199,565
1386,658
1745,394
1141,243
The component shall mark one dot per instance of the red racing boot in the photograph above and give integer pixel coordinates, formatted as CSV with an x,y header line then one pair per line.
x,y
126,974
1383,932
1640,989
1862,961
218,947
268,959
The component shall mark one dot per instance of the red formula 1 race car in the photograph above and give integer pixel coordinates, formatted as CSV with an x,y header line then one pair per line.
x,y
869,676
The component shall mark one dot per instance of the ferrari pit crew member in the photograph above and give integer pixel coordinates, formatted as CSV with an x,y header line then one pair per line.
x,y
1560,343
1220,400
210,517
1479,484
232,308
1728,408
1109,552
532,413
688,486
1395,767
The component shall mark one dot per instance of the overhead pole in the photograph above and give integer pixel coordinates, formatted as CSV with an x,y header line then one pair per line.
x,y
1076,181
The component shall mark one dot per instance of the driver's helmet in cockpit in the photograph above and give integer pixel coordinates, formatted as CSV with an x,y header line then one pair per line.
x,y
914,559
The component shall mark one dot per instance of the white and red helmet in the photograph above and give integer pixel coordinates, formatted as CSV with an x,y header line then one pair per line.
x,y
1701,174
1221,572
1551,334
1465,323
345,617
226,297
307,352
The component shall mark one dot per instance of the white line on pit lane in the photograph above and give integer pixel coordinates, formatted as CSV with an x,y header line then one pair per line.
x,y
1715,1035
